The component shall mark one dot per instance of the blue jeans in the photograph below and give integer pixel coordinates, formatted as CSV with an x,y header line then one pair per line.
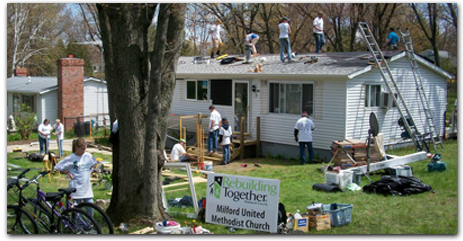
x,y
226,154
86,200
212,141
284,42
43,143
319,41
60,147
302,151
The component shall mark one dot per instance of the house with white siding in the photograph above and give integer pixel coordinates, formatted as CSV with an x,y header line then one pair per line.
x,y
339,92
41,94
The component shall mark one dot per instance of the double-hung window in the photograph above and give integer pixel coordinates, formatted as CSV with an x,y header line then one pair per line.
x,y
373,95
197,90
290,98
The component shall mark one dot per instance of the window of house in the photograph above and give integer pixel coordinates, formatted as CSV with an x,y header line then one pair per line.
x,y
221,91
16,103
28,100
290,98
373,95
196,90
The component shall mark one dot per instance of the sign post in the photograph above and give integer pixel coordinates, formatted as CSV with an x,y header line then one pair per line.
x,y
242,202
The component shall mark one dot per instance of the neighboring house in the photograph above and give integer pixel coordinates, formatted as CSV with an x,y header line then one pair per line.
x,y
66,97
339,92
428,54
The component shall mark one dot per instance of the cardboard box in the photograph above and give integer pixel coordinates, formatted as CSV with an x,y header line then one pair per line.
x,y
320,222
302,224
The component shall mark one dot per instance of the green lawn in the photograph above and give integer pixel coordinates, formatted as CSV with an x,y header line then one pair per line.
x,y
426,213
372,214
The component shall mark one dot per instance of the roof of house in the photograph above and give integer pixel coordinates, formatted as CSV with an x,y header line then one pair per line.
x,y
37,84
341,64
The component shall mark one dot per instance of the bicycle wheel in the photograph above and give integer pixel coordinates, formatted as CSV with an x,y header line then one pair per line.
x,y
77,221
19,221
100,216
42,216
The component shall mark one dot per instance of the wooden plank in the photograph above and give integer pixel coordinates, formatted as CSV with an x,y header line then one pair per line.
x,y
195,180
171,174
175,190
143,231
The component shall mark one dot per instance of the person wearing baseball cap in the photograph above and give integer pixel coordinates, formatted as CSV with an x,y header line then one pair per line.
x,y
59,133
285,31
303,135
178,153
225,140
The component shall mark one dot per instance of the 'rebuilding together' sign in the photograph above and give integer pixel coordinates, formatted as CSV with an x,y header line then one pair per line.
x,y
242,202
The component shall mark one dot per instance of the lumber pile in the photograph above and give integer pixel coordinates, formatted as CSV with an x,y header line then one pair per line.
x,y
355,149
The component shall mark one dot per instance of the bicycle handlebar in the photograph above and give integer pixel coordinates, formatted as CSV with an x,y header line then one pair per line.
x,y
28,182
23,173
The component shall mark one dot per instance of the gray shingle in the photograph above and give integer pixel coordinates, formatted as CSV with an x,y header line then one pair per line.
x,y
37,84
343,63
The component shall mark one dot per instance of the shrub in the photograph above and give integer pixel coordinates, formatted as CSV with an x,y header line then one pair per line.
x,y
25,120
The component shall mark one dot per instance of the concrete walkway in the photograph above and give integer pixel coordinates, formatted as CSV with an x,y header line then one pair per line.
x,y
67,146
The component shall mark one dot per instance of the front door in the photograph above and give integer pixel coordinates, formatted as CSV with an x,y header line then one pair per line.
x,y
241,104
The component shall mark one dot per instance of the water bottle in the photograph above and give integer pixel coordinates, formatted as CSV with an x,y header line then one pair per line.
x,y
297,214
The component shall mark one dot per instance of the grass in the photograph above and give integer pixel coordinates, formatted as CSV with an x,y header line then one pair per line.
x,y
426,213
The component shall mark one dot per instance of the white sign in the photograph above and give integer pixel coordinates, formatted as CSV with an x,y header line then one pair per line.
x,y
242,202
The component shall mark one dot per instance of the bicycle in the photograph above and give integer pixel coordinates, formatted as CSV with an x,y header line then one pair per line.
x,y
69,221
100,216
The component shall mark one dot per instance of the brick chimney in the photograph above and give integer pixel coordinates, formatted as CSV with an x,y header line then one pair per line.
x,y
20,71
70,89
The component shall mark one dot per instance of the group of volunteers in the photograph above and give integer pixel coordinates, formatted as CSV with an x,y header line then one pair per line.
x,y
45,131
220,133
285,31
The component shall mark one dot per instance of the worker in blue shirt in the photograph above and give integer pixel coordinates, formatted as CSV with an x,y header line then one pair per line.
x,y
392,40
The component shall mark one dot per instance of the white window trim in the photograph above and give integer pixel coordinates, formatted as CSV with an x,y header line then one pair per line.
x,y
289,82
196,90
380,96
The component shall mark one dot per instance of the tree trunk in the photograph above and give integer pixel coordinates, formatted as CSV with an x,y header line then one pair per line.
x,y
136,171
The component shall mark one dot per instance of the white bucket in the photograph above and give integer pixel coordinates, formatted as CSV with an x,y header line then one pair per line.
x,y
208,166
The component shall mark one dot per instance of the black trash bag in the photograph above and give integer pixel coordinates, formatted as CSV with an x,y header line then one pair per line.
x,y
34,157
282,217
228,60
397,186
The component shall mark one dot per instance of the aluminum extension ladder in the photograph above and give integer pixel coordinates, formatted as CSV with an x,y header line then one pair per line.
x,y
435,137
390,82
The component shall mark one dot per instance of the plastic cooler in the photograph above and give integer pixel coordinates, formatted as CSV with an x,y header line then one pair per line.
x,y
340,216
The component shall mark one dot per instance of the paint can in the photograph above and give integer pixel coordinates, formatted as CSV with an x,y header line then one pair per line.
x,y
208,166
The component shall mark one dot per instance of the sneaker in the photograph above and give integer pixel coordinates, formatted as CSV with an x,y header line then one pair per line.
x,y
210,153
212,56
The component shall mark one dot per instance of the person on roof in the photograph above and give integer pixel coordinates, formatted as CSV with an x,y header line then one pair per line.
x,y
392,40
318,32
215,36
252,38
285,31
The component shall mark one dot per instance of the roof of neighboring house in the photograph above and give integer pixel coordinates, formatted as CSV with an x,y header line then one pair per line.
x,y
37,84
341,64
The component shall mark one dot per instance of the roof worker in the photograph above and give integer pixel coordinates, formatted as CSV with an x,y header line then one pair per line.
x,y
178,153
285,31
215,36
303,135
252,38
392,40
318,32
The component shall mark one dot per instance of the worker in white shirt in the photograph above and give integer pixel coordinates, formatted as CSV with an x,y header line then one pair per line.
x,y
318,32
178,153
303,135
214,125
215,36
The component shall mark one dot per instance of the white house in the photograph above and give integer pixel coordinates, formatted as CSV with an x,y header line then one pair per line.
x,y
41,94
339,91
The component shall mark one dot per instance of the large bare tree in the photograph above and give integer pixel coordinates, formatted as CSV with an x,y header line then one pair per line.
x,y
141,79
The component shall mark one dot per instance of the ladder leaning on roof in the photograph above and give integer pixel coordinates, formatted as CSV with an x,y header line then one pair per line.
x,y
391,84
435,137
